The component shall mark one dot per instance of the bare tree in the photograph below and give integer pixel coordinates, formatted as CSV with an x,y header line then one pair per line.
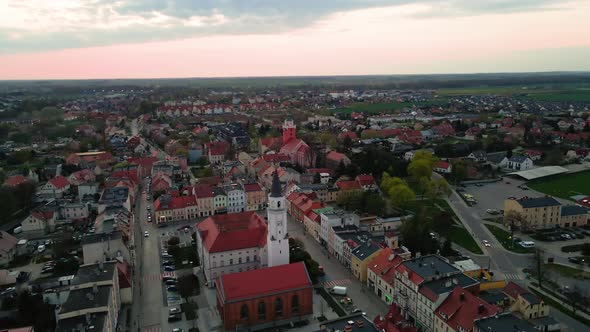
x,y
513,220
539,265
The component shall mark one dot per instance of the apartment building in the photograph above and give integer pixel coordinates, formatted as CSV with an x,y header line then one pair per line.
x,y
544,212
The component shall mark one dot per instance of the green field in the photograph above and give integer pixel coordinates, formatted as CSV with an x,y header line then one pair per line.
x,y
504,238
563,186
572,93
461,236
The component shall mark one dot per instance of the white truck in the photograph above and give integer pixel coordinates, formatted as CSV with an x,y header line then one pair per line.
x,y
338,290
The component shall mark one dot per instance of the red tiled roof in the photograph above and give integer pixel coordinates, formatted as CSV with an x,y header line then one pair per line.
x,y
513,290
293,145
275,157
263,282
124,273
365,179
43,214
461,309
320,170
233,231
335,156
348,185
176,203
250,187
442,164
7,241
204,191
350,134
584,201
59,182
15,180
383,265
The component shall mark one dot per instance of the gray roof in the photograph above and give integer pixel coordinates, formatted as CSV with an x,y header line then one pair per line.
x,y
114,195
86,298
493,297
95,273
275,190
536,202
518,159
531,298
365,250
99,237
496,157
429,266
339,323
446,285
572,210
83,323
504,323
544,321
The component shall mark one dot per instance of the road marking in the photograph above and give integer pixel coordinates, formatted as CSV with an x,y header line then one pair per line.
x,y
340,282
153,328
512,276
159,277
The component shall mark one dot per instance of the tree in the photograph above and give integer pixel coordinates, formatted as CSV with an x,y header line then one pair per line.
x,y
401,195
415,235
351,201
2,176
373,203
571,130
187,285
442,224
459,171
586,249
538,259
447,248
421,165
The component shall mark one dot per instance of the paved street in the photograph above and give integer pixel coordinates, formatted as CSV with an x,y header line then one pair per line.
x,y
336,274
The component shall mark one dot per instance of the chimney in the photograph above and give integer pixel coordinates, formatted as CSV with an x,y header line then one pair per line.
x,y
462,297
481,308
95,289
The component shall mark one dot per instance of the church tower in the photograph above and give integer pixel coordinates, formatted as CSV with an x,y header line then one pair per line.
x,y
289,130
277,241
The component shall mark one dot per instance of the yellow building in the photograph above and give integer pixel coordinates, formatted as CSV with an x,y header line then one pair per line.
x,y
529,305
544,212
535,213
360,258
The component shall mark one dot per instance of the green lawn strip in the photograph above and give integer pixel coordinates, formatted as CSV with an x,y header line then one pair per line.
x,y
461,237
504,238
559,306
185,254
572,248
567,271
563,186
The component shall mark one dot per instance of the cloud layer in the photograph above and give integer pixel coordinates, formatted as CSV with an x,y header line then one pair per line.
x,y
40,25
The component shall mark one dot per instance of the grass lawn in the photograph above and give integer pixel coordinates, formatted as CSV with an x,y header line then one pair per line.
x,y
461,236
564,186
504,238
431,210
185,254
559,306
567,271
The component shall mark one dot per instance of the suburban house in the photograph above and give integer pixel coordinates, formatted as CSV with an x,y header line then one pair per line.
x,y
7,247
55,188
366,181
41,221
335,159
528,304
443,167
517,163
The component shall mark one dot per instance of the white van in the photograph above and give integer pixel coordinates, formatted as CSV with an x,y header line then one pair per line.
x,y
527,244
41,248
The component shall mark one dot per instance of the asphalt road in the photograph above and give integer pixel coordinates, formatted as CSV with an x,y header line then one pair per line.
x,y
337,274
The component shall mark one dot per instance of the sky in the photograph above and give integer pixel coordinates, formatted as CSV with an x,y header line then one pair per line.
x,y
86,39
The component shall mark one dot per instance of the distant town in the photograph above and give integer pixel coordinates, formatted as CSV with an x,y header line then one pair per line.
x,y
356,205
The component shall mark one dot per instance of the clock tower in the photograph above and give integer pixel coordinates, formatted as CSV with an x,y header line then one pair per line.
x,y
277,241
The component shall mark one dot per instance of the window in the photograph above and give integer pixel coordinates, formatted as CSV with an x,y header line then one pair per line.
x,y
244,312
295,304
261,311
247,258
240,260
231,261
278,307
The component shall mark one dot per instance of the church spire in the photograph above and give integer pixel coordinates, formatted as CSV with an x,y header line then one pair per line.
x,y
276,185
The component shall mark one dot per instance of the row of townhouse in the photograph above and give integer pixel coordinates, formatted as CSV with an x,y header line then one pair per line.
x,y
207,200
440,296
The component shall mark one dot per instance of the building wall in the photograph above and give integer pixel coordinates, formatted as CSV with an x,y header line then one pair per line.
x,y
359,268
527,310
231,313
218,264
206,206
98,251
255,200
380,287
573,221
32,224
536,218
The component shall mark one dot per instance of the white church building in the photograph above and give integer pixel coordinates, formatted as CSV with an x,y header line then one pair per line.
x,y
244,241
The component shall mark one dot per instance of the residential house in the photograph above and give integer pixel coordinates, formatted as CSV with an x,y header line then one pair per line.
x,y
236,201
219,200
169,209
255,197
15,181
526,303
381,274
335,158
105,247
348,187
534,155
55,188
459,311
517,163
73,211
367,182
82,176
479,156
362,255
205,200
40,221
8,245
161,182
443,167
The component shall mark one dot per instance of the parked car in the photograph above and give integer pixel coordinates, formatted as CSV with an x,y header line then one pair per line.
x,y
41,248
172,289
174,317
575,260
486,243
146,234
169,268
170,282
167,263
175,310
